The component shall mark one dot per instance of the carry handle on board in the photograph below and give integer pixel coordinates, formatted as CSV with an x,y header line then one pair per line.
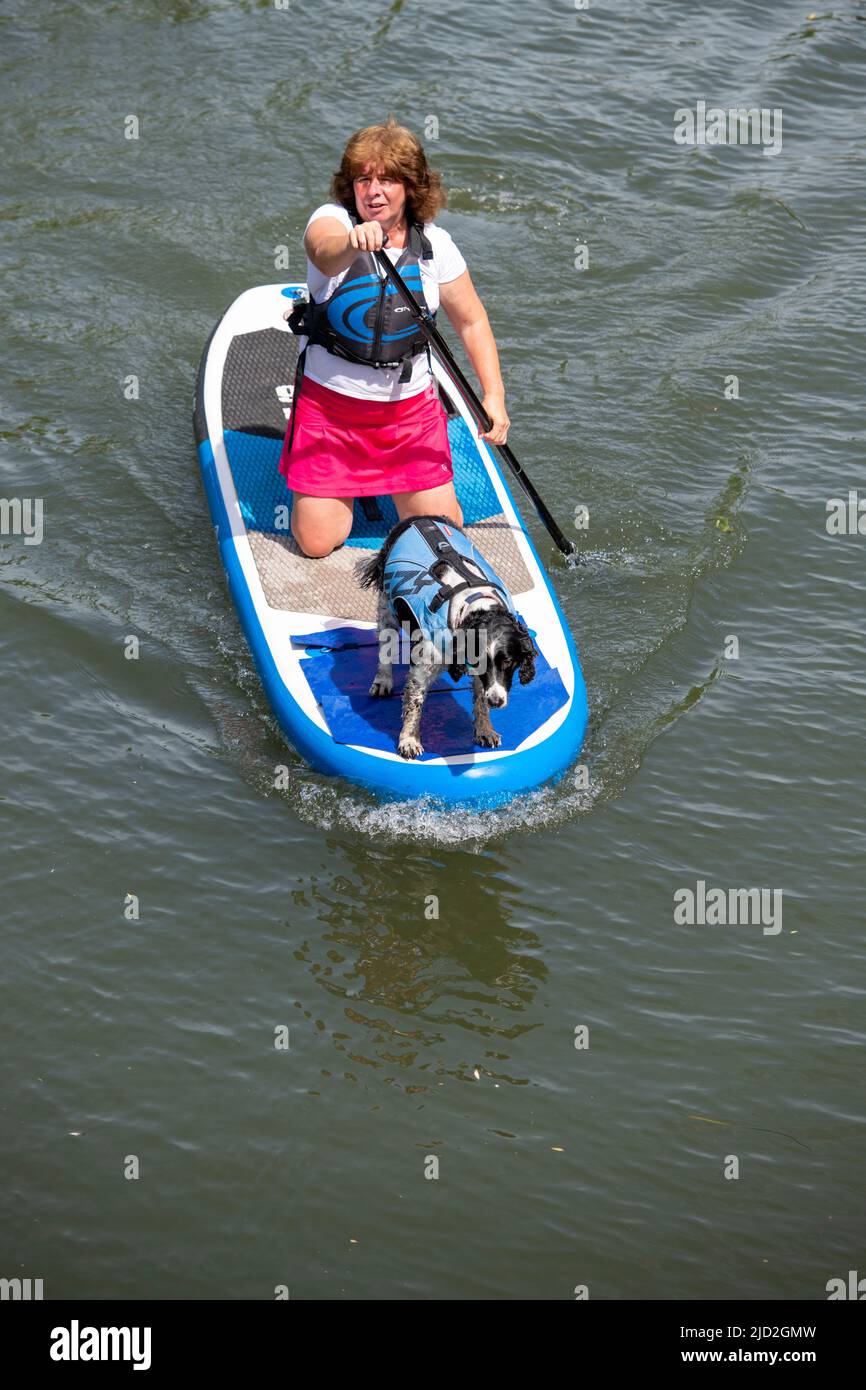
x,y
444,352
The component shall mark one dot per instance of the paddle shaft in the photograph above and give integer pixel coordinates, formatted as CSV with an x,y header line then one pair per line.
x,y
443,351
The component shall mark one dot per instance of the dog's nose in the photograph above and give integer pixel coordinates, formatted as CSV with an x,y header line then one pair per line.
x,y
497,701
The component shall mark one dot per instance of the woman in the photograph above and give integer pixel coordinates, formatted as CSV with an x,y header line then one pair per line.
x,y
366,419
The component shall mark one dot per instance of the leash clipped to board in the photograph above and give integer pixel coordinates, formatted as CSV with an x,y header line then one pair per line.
x,y
443,351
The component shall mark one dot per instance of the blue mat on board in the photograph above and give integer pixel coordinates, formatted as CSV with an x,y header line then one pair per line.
x,y
340,665
261,488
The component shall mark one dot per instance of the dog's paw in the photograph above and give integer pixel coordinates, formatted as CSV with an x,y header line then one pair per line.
x,y
488,738
382,685
409,747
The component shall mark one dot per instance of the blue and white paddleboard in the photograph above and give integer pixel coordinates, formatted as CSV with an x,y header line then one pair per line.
x,y
311,628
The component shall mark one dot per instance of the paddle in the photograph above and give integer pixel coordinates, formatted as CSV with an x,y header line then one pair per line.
x,y
443,351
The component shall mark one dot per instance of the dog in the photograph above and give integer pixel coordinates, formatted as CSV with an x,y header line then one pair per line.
x,y
432,580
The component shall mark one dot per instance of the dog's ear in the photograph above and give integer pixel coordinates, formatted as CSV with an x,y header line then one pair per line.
x,y
527,656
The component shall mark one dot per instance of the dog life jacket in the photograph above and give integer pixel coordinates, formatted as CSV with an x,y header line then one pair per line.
x,y
365,319
415,570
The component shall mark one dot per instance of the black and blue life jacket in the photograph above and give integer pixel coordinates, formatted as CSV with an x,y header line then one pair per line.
x,y
365,319
415,583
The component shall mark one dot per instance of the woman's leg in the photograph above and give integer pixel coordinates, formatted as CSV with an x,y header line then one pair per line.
x,y
319,524
434,501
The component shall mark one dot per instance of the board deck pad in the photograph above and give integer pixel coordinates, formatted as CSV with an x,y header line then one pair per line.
x,y
310,625
340,667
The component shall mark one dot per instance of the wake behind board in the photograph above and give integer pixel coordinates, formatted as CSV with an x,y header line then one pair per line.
x,y
311,628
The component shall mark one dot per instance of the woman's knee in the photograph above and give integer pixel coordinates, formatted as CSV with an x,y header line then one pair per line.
x,y
320,529
316,550
315,543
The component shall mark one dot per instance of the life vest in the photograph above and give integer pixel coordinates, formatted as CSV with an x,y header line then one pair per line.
x,y
415,571
366,319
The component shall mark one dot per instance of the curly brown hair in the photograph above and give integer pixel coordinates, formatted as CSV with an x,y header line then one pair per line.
x,y
395,153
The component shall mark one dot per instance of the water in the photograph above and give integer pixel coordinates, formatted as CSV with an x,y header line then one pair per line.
x,y
412,1037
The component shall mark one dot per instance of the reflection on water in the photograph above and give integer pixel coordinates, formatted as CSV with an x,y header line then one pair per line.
x,y
413,979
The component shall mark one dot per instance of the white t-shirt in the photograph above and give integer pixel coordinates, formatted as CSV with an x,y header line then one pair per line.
x,y
356,378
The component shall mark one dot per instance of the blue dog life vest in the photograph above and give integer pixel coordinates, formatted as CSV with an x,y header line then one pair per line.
x,y
365,319
415,570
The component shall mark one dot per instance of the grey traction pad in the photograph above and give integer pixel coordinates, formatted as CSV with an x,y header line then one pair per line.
x,y
329,586
256,363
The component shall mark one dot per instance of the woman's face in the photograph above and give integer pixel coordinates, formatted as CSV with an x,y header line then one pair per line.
x,y
379,199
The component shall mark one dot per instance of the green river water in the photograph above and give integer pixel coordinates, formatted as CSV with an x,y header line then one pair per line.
x,y
733,763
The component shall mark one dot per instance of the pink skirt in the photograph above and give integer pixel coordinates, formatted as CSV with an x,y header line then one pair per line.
x,y
345,447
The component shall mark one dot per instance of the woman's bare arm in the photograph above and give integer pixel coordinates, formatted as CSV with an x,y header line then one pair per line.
x,y
332,249
459,298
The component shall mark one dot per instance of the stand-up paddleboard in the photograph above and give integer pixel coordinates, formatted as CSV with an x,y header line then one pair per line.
x,y
310,626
